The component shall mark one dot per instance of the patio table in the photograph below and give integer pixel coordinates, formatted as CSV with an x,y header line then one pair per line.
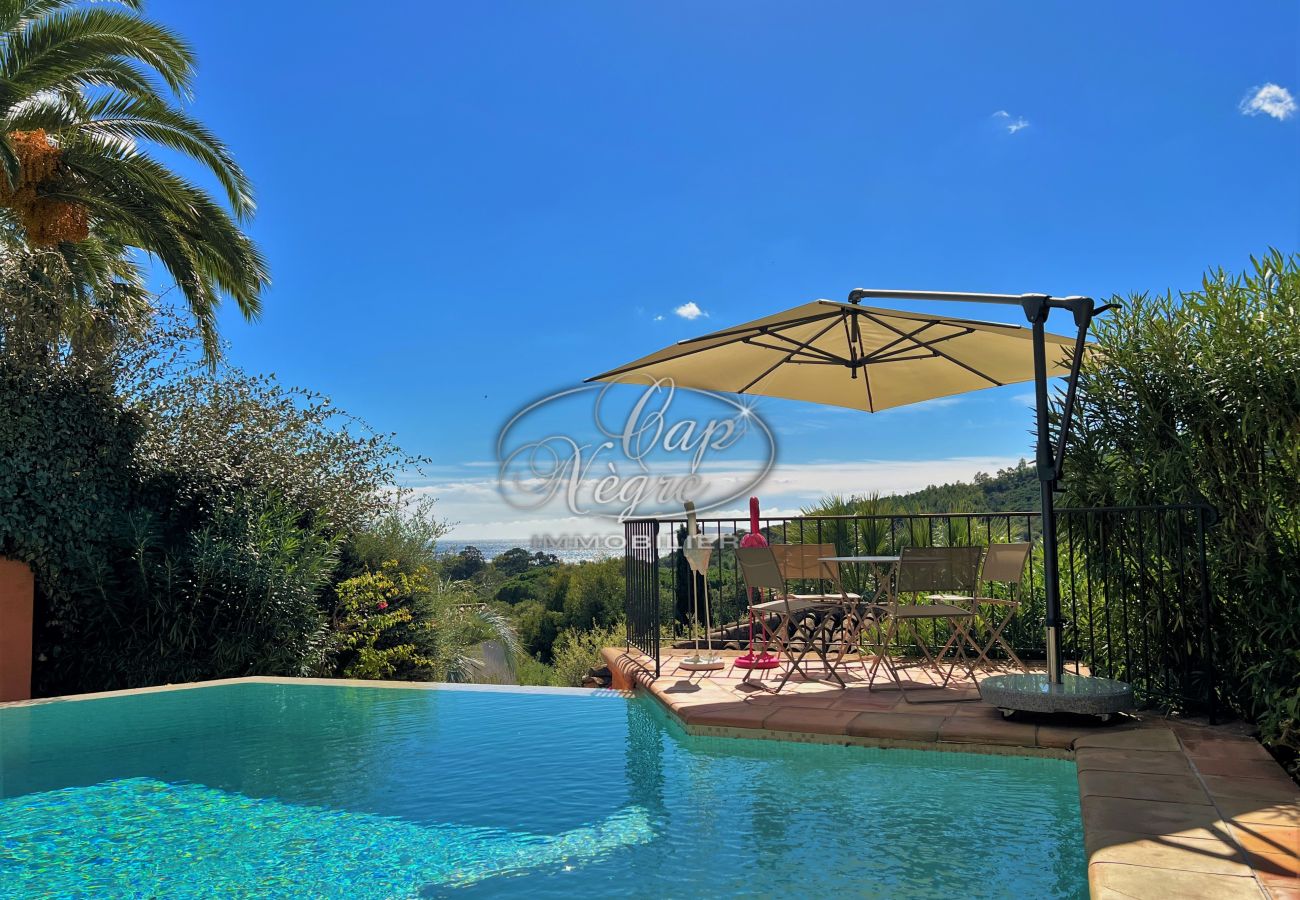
x,y
882,570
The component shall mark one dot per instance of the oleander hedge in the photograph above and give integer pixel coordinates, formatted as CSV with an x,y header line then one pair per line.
x,y
1196,398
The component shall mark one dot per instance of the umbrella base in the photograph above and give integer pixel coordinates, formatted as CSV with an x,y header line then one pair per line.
x,y
757,661
701,664
1082,695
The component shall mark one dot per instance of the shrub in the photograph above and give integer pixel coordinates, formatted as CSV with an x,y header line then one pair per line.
x,y
594,597
156,604
537,627
69,471
578,650
1196,399
404,534
411,626
215,434
374,631
183,522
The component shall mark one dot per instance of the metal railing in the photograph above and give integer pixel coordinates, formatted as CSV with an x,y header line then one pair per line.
x,y
641,572
1135,589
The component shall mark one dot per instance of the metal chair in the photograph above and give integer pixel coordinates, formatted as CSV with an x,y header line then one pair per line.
x,y
922,570
805,624
845,615
1003,564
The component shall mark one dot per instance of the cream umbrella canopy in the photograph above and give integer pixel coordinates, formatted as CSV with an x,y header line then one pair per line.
x,y
861,357
843,354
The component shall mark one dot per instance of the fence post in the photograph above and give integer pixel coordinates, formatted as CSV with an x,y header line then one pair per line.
x,y
654,581
629,571
1207,612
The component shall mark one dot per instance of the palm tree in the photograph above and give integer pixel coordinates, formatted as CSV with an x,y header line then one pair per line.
x,y
85,91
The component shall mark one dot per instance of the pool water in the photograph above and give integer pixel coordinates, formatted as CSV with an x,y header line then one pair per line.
x,y
310,790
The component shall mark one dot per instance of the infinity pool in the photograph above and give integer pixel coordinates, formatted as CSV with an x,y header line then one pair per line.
x,y
310,790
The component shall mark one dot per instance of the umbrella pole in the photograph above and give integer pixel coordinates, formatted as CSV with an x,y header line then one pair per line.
x,y
1046,465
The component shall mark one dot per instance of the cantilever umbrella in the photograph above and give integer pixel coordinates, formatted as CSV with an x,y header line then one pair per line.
x,y
843,354
846,354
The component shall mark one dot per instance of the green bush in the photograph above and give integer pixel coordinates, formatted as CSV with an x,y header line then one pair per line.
x,y
403,534
184,522
69,471
578,650
375,633
532,671
1196,398
159,605
411,626
595,594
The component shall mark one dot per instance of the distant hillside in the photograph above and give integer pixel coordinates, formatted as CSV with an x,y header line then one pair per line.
x,y
1010,490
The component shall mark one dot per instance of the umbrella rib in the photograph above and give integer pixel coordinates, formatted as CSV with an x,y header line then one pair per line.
x,y
883,351
758,329
922,345
940,353
866,380
881,362
734,335
776,365
822,355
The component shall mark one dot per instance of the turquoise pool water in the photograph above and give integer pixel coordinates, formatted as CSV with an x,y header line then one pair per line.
x,y
268,790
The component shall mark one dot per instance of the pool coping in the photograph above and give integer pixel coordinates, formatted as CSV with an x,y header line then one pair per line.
x,y
1168,808
328,682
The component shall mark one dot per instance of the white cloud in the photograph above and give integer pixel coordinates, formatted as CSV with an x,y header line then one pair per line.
x,y
1271,100
1010,122
690,311
478,512
659,318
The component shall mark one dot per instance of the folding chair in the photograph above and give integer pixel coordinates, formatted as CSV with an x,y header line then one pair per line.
x,y
922,570
844,614
1004,564
805,624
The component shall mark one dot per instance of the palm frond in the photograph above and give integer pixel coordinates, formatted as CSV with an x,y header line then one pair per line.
x,y
56,47
141,118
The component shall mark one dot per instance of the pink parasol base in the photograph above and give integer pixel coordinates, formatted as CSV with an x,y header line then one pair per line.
x,y
754,538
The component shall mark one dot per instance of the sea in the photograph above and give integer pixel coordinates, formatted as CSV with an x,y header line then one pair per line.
x,y
491,549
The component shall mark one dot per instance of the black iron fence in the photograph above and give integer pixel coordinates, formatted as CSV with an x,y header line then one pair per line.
x,y
1135,589
642,573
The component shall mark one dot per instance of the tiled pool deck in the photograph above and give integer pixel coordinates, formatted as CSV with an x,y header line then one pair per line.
x,y
1170,809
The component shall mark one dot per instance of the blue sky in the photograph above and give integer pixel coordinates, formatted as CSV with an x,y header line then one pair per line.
x,y
468,205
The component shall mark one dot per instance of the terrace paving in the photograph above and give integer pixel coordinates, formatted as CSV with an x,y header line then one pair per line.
x,y
1170,809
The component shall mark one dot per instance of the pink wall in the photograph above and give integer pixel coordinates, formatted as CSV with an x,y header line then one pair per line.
x,y
16,592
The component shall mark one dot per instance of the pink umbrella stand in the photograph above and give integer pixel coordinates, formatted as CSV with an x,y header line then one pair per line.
x,y
752,660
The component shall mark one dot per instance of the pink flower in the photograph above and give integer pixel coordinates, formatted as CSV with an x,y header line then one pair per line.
x,y
381,605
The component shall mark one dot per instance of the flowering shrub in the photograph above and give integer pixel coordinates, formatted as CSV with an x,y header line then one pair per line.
x,y
374,641
408,625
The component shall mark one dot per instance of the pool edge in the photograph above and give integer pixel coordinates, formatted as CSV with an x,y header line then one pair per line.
x,y
326,682
1167,808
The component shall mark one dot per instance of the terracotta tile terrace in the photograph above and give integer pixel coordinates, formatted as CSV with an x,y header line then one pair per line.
x,y
1170,808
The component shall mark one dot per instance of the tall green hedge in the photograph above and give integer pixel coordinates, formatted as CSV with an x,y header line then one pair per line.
x,y
67,472
1196,398
183,523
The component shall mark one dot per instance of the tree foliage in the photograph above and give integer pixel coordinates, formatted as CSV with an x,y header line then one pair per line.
x,y
1196,398
89,92
188,522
